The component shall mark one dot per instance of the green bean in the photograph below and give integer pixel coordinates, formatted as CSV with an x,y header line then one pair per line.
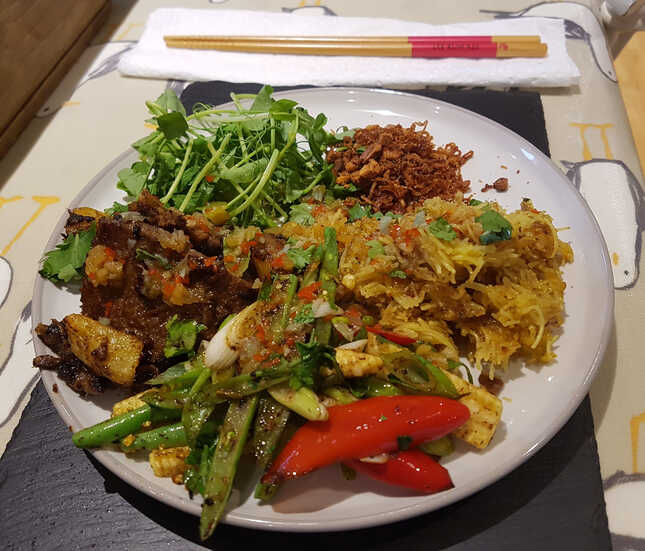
x,y
340,395
250,383
117,427
379,387
166,398
269,424
232,438
303,401
329,267
322,331
169,436
286,309
195,412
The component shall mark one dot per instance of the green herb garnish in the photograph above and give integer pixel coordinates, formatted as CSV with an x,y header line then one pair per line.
x,y
65,262
441,229
301,214
144,255
301,257
400,274
358,211
375,248
182,336
304,315
495,226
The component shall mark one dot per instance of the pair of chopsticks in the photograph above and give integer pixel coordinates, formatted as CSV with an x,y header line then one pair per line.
x,y
381,46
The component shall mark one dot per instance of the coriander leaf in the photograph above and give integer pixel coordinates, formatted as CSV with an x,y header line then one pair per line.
x,y
375,248
344,190
301,214
400,274
475,202
173,125
301,257
303,373
404,442
348,472
441,229
495,226
305,315
358,211
65,261
265,291
182,336
144,255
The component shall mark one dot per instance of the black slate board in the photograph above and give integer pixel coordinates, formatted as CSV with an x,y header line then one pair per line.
x,y
53,496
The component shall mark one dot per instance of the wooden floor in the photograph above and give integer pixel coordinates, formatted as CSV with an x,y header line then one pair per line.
x,y
630,68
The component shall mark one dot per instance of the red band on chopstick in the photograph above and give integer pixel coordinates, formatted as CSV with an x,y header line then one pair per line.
x,y
449,48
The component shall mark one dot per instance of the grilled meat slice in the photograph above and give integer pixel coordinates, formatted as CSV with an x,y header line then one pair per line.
x,y
69,368
179,280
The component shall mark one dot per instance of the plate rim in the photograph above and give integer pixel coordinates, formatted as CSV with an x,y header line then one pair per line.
x,y
393,515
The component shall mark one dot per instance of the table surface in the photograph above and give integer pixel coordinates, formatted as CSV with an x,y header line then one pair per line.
x,y
95,113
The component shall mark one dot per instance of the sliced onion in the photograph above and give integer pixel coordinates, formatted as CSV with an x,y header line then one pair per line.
x,y
343,328
420,219
218,353
321,308
380,459
384,224
131,215
355,345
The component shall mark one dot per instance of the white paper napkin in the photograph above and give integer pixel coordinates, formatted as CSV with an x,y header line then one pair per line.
x,y
151,58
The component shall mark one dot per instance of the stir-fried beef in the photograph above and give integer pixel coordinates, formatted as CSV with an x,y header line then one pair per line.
x,y
146,266
160,274
203,236
68,366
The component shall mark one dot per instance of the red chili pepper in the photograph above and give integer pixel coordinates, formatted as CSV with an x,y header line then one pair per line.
x,y
411,469
110,253
168,288
411,234
279,261
365,428
308,293
395,231
394,337
181,279
108,308
209,178
245,247
317,210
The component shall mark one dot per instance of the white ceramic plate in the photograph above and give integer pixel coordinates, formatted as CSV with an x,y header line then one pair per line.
x,y
536,404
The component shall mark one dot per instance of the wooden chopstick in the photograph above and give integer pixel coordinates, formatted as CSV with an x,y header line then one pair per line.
x,y
354,39
422,47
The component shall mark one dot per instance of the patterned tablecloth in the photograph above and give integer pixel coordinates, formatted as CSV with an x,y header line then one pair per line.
x,y
95,113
